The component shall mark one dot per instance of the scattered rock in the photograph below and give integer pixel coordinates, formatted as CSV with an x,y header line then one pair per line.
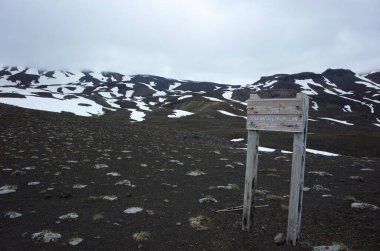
x,y
320,173
33,183
141,236
46,236
208,199
110,197
8,189
195,173
75,241
125,183
79,186
350,198
335,247
97,216
358,178
279,239
362,205
274,197
327,195
150,212
64,195
320,188
133,210
69,216
261,192
284,207
228,187
18,173
199,222
12,215
114,174
367,169
100,166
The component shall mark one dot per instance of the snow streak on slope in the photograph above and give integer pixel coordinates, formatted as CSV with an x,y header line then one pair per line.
x,y
179,114
338,121
304,83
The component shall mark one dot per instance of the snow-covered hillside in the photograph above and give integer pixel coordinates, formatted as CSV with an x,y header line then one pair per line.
x,y
336,95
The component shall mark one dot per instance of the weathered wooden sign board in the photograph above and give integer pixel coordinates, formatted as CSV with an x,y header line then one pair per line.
x,y
285,115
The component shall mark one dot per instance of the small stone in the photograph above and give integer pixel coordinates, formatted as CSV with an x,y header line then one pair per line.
x,y
75,241
140,246
179,224
64,195
358,178
141,236
97,216
279,239
284,207
128,195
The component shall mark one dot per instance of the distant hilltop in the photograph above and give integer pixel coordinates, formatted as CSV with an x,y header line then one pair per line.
x,y
336,94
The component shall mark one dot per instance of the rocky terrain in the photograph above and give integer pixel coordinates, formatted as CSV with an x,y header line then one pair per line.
x,y
165,155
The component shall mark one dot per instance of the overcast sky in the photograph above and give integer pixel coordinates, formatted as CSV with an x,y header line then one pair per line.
x,y
223,41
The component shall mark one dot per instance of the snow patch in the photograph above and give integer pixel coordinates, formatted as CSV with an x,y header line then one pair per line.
x,y
179,114
213,99
337,121
137,115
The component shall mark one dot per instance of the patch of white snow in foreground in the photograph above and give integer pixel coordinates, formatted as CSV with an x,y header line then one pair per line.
x,y
266,149
338,121
179,114
322,152
237,140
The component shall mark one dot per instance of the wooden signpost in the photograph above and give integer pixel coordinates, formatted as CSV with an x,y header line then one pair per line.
x,y
285,115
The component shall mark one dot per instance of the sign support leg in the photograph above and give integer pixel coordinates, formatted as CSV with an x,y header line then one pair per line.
x,y
297,180
250,179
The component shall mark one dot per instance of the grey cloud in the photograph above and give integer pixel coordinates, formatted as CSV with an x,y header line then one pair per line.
x,y
222,41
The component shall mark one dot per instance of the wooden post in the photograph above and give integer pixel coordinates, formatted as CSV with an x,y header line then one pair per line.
x,y
297,176
250,179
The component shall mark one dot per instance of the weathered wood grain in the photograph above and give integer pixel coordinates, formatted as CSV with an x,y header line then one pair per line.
x,y
250,180
297,177
275,114
283,123
275,106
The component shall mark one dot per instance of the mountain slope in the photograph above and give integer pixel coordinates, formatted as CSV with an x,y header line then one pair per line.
x,y
337,94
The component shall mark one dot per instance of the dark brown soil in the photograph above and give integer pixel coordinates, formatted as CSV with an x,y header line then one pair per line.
x,y
64,149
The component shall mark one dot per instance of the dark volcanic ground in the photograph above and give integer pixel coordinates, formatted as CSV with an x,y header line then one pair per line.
x,y
46,157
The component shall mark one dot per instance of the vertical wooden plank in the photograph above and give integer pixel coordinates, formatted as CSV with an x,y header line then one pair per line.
x,y
297,177
250,179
